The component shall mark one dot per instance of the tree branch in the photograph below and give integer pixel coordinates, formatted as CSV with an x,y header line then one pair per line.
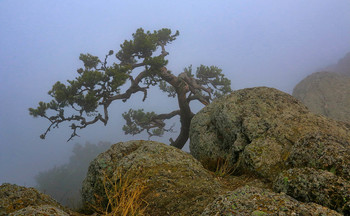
x,y
167,115
98,85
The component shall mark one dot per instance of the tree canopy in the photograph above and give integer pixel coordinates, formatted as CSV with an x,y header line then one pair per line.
x,y
140,64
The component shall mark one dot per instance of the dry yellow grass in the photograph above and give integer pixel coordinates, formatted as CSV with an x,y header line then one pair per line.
x,y
124,196
223,168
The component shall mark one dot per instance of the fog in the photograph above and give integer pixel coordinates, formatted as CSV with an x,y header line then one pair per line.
x,y
256,43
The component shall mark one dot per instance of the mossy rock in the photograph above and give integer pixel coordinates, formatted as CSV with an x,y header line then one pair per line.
x,y
258,201
265,131
42,210
14,199
318,186
176,183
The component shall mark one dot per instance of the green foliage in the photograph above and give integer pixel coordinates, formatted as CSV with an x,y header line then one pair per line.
x,y
85,100
164,36
85,91
157,132
167,88
143,45
40,111
210,77
188,71
64,182
138,121
156,63
213,75
97,82
89,60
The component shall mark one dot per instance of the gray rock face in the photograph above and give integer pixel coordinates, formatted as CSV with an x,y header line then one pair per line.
x,y
265,132
18,200
326,93
42,210
175,182
319,186
258,202
342,66
257,130
322,151
249,126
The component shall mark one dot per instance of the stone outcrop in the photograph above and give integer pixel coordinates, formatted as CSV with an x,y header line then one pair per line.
x,y
176,183
285,160
342,66
18,200
259,202
264,131
324,151
42,210
319,186
326,93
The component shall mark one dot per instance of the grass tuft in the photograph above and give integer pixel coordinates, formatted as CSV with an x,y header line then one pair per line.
x,y
223,168
124,196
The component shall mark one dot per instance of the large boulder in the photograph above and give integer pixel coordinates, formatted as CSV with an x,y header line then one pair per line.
x,y
260,202
326,93
319,186
264,131
19,200
175,183
42,210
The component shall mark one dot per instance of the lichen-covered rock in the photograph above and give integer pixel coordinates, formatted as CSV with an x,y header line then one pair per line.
x,y
262,130
326,93
265,131
322,151
14,198
257,201
42,210
319,186
176,183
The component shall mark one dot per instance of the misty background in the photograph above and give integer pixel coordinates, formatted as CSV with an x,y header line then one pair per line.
x,y
256,43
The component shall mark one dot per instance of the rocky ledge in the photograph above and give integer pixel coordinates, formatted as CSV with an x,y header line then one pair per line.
x,y
258,151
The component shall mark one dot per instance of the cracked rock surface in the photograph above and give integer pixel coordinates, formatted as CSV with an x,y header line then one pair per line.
x,y
265,132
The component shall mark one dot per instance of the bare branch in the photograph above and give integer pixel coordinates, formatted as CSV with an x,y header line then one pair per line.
x,y
205,100
164,52
167,115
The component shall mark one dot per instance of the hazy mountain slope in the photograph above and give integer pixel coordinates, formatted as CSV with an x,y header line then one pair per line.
x,y
343,65
326,93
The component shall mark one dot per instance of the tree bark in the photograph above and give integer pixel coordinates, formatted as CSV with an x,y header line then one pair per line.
x,y
186,116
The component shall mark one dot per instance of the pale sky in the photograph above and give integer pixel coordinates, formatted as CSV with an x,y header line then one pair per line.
x,y
256,43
